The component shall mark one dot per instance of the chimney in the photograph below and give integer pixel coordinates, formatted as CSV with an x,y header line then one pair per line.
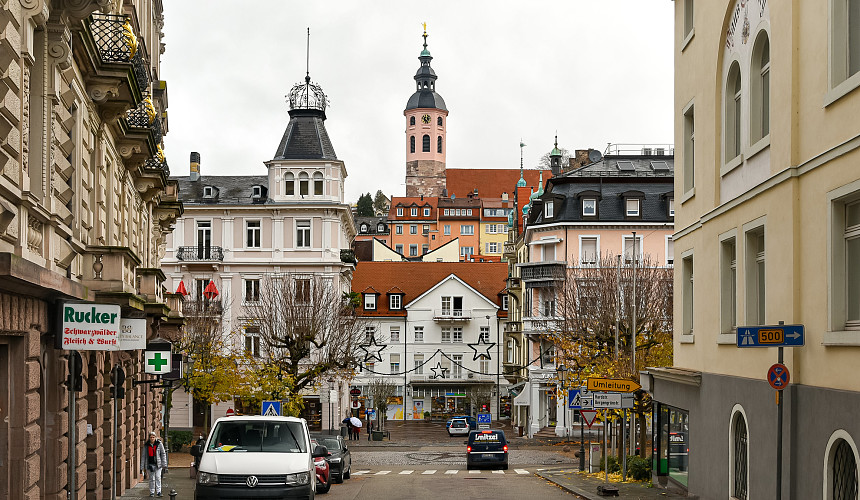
x,y
195,166
505,196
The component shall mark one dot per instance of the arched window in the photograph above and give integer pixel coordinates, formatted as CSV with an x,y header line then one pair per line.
x,y
412,144
439,144
760,89
425,144
411,120
740,457
289,184
318,184
304,183
841,471
363,228
439,121
380,228
733,112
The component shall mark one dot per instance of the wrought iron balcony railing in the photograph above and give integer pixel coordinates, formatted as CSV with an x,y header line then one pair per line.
x,y
155,162
116,43
542,271
200,253
144,116
452,314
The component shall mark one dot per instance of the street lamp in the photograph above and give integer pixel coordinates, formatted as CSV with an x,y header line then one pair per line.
x,y
330,414
561,371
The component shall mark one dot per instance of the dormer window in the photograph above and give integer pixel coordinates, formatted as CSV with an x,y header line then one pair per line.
x,y
380,228
208,192
589,207
414,212
426,212
370,301
363,228
257,191
633,204
548,210
671,207
632,207
400,212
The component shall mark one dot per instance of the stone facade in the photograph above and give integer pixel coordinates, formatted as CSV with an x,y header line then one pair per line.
x,y
425,177
85,205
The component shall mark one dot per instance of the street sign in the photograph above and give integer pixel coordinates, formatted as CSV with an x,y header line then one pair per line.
x,y
485,418
270,409
613,400
574,399
771,336
355,392
589,416
612,385
778,376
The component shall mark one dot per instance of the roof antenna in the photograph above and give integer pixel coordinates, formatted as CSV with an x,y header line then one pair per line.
x,y
308,57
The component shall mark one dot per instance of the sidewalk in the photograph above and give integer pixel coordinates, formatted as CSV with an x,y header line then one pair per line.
x,y
585,486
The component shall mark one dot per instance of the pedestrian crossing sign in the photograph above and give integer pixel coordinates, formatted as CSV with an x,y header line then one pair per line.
x,y
271,409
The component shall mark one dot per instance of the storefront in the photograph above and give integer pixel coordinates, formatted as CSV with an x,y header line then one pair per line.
x,y
312,412
671,442
442,403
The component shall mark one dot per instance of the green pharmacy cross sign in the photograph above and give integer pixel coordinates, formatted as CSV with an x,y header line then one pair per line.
x,y
158,362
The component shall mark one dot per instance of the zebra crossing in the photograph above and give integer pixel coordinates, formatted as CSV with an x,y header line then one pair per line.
x,y
435,471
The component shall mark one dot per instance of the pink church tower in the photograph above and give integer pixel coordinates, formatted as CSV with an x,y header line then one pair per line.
x,y
426,122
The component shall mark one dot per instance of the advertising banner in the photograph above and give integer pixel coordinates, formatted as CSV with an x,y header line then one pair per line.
x,y
132,334
91,327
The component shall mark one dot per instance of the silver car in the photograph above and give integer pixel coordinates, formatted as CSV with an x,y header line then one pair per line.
x,y
458,427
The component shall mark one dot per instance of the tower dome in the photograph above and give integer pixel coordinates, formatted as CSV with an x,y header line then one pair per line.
x,y
425,95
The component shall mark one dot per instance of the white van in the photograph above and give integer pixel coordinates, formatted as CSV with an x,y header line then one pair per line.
x,y
258,457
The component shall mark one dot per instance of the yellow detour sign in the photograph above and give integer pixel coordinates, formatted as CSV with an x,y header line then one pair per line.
x,y
612,385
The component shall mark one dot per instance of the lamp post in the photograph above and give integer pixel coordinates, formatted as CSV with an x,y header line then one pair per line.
x,y
562,370
330,414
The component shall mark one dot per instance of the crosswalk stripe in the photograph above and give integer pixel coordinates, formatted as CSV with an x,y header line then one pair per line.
x,y
474,472
360,472
521,471
498,472
382,472
431,471
451,471
407,471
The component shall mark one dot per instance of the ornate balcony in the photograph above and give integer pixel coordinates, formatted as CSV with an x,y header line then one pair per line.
x,y
200,254
452,314
542,271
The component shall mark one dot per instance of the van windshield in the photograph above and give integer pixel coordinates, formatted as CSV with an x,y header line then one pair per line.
x,y
273,437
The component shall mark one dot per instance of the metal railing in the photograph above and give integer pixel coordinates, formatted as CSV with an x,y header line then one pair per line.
x,y
452,314
113,45
199,253
139,117
154,162
542,271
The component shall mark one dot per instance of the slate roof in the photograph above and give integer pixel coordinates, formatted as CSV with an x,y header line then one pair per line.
x,y
415,278
232,189
372,223
305,137
643,166
426,99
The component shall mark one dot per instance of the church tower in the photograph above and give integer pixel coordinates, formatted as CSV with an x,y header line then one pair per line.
x,y
426,122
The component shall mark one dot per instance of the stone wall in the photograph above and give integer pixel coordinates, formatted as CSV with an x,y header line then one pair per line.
x,y
425,177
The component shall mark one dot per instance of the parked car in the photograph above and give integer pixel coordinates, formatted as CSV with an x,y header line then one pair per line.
x,y
340,459
323,470
486,447
458,427
261,450
473,423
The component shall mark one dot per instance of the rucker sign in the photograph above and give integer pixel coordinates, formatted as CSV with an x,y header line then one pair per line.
x,y
91,327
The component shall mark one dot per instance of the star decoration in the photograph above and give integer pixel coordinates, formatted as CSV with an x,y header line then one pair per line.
x,y
441,371
482,348
372,350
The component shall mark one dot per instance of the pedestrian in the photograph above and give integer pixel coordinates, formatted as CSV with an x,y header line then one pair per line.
x,y
153,460
197,453
348,425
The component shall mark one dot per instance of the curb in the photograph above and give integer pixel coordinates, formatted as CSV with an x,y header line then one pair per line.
x,y
566,487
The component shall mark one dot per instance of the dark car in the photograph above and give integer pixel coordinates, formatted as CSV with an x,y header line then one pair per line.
x,y
473,424
340,459
487,447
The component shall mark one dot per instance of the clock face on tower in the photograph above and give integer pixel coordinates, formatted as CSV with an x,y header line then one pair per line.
x,y
425,118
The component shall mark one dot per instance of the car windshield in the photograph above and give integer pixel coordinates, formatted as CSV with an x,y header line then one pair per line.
x,y
458,423
244,435
331,444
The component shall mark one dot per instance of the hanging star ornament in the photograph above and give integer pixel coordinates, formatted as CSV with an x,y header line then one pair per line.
x,y
482,348
372,350
438,371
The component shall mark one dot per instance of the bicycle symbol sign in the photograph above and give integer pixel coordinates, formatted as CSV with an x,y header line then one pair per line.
x,y
778,376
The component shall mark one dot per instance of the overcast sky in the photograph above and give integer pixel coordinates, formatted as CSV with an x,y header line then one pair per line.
x,y
595,71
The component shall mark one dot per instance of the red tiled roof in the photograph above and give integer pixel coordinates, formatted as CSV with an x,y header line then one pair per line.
x,y
415,278
406,202
490,182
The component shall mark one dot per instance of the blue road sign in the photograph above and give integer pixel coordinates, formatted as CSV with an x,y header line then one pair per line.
x,y
771,336
484,418
271,408
574,399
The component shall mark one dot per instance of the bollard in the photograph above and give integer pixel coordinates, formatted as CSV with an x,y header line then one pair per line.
x,y
172,494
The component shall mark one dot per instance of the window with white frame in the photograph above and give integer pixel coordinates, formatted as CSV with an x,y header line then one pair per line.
x,y
734,109
484,335
398,229
672,207
632,207
457,334
457,361
844,43
632,249
370,367
289,184
728,286
252,341
425,249
740,458
689,149
467,251
426,212
687,294
509,351
548,210
304,184
303,290
418,332
395,301
447,229
755,277
851,246
425,229
446,334
398,249
252,290
303,234
670,251
399,211
252,233
589,207
208,192
414,212
370,301
688,18
369,334
841,467
394,334
318,184
418,363
493,247
504,302
588,250
760,89
467,229
447,211
413,229
469,212
380,228
413,250
394,363
484,365
363,228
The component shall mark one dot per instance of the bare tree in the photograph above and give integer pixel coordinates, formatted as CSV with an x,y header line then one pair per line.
x,y
545,161
381,390
307,329
478,395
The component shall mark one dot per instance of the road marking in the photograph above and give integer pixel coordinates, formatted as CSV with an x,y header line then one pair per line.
x,y
451,471
498,472
407,471
474,472
431,471
521,471
382,472
360,472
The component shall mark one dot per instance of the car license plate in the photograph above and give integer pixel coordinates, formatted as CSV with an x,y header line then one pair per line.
x,y
488,455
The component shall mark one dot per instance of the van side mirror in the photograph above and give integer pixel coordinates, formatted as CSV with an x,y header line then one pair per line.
x,y
321,451
466,442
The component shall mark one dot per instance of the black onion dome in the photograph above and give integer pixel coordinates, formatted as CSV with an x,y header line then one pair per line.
x,y
306,137
425,95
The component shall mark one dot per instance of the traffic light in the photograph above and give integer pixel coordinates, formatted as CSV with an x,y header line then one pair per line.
x,y
76,364
118,380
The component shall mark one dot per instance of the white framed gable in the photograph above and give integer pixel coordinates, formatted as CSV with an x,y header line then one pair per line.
x,y
451,285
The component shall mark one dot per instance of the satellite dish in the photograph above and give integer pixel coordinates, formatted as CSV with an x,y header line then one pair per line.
x,y
594,156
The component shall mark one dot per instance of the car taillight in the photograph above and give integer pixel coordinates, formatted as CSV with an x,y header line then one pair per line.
x,y
505,448
468,449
